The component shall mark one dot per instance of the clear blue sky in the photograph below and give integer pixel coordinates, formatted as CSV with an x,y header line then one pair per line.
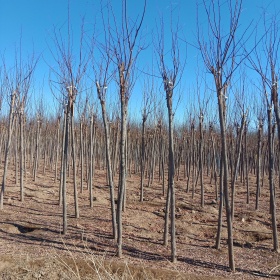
x,y
35,20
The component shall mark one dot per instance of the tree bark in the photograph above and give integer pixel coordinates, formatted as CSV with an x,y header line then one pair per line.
x,y
6,160
144,118
271,181
222,114
201,159
122,158
64,170
101,95
22,148
171,169
76,199
236,164
259,163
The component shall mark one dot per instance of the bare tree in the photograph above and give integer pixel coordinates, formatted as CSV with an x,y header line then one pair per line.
x,y
40,118
222,53
259,159
266,65
69,74
171,71
203,103
103,75
17,82
92,148
57,147
147,109
101,92
124,53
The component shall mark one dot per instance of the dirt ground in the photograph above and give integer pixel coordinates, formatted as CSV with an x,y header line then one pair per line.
x,y
32,246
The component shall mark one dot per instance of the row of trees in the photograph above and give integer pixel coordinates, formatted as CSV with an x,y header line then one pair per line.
x,y
196,148
254,159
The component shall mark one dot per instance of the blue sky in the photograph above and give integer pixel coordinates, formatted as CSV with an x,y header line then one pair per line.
x,y
35,20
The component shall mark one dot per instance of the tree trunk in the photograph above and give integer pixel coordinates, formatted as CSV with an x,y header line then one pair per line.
x,y
111,180
171,172
36,159
60,199
81,155
57,148
76,199
246,165
259,163
122,180
6,161
109,168
64,169
91,162
201,159
220,216
236,164
22,148
222,117
166,218
16,152
142,158
271,181
122,172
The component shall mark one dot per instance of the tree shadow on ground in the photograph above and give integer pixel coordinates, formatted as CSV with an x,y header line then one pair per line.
x,y
215,266
139,254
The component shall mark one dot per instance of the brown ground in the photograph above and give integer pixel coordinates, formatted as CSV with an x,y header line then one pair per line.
x,y
31,246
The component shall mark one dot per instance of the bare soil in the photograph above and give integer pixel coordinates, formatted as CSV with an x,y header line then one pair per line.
x,y
32,246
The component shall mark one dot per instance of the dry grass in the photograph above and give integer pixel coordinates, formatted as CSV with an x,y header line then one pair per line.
x,y
31,246
86,267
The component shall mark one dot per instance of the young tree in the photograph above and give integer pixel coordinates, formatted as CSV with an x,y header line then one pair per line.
x,y
101,92
171,71
39,120
17,82
124,53
69,74
265,63
103,76
22,116
92,148
203,101
222,53
259,159
147,109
